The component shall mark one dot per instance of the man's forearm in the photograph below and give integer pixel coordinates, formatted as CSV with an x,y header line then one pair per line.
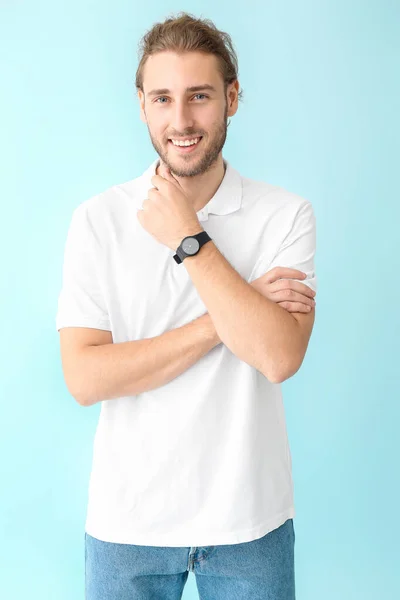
x,y
129,368
254,328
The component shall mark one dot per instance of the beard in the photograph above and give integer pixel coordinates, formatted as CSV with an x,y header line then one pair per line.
x,y
208,155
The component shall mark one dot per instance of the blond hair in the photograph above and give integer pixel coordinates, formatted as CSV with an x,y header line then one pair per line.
x,y
186,33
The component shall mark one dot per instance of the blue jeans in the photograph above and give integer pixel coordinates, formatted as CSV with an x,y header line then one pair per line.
x,y
262,569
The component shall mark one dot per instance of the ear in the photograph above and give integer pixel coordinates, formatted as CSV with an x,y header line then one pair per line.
x,y
141,105
232,98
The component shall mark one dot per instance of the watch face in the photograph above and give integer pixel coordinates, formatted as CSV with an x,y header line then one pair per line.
x,y
190,245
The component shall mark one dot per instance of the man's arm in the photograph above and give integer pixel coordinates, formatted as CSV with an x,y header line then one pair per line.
x,y
102,372
254,328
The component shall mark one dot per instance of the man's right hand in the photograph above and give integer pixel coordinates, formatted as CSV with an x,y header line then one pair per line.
x,y
278,285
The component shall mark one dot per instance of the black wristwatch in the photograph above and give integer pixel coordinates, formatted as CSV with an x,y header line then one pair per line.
x,y
190,245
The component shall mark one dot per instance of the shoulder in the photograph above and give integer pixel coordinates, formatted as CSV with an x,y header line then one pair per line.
x,y
275,202
110,206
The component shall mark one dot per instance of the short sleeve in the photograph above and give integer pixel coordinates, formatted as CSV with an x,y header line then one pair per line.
x,y
297,249
81,302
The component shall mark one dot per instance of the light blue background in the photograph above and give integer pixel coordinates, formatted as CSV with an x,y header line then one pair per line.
x,y
319,117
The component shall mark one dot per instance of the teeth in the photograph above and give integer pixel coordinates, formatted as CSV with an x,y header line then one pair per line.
x,y
187,143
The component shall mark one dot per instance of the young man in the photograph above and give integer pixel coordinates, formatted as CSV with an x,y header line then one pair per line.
x,y
159,322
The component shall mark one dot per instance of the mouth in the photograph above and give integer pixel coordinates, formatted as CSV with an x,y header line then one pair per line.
x,y
186,149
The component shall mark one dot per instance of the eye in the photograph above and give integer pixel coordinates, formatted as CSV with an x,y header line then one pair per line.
x,y
162,97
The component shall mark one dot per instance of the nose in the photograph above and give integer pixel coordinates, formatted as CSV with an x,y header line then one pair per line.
x,y
182,118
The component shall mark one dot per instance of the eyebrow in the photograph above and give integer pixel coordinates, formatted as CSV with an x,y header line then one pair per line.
x,y
193,88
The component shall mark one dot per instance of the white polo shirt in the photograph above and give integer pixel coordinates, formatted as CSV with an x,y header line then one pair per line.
x,y
205,459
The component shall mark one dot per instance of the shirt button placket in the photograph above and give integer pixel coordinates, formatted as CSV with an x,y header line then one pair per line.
x,y
192,552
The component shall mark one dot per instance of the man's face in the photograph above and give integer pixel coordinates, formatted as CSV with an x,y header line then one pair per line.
x,y
178,113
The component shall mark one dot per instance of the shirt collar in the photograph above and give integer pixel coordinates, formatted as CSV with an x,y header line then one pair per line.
x,y
227,198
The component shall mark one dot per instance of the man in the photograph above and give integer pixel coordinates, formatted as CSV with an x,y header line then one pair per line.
x,y
159,322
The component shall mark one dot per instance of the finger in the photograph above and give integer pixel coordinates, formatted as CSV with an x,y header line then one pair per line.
x,y
154,194
171,176
297,286
279,272
166,173
295,307
162,170
157,181
283,296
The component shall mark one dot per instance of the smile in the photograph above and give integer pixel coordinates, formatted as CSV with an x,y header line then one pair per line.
x,y
186,147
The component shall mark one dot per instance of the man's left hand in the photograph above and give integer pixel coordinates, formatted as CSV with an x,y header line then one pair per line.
x,y
167,214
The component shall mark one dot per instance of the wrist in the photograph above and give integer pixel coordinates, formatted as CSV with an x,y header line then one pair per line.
x,y
190,230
